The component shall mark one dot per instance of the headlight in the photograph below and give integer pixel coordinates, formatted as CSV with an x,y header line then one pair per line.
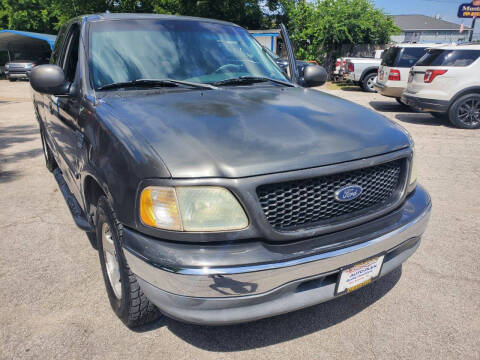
x,y
191,208
413,171
7,66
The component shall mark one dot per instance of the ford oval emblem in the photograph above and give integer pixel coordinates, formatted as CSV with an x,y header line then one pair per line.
x,y
348,193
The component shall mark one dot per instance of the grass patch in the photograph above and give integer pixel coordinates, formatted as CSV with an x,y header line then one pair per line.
x,y
342,85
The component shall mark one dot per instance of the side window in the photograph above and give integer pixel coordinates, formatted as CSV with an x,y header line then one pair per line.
x,y
54,58
410,56
71,54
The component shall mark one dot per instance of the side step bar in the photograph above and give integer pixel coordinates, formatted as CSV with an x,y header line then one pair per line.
x,y
75,209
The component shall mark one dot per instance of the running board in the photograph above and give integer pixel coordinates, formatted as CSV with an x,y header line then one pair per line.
x,y
75,209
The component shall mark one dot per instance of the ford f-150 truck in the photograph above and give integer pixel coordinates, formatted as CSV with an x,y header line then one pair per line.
x,y
216,189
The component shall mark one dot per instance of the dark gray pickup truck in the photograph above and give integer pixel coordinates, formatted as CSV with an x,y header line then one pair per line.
x,y
216,188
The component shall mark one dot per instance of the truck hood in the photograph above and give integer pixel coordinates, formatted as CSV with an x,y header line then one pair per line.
x,y
251,130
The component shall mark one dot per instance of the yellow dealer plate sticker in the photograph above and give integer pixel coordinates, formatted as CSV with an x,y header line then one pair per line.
x,y
359,275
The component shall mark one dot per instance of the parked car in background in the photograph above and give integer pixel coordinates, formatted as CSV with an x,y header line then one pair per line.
x,y
363,72
339,69
396,63
18,69
446,82
216,189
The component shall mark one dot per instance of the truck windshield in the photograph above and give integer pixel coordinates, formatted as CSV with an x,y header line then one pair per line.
x,y
195,51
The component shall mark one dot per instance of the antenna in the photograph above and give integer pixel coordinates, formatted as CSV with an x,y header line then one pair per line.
x,y
74,7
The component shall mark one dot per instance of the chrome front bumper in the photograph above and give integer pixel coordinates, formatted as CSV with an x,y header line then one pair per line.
x,y
224,295
16,75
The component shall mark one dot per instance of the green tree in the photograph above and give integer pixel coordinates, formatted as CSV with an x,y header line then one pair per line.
x,y
28,15
247,13
320,27
48,15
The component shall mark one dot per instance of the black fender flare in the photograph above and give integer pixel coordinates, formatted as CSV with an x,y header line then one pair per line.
x,y
368,71
89,172
471,89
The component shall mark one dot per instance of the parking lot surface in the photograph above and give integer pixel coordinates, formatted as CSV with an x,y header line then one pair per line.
x,y
54,306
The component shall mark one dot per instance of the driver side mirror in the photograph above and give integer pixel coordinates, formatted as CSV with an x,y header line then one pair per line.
x,y
49,79
314,75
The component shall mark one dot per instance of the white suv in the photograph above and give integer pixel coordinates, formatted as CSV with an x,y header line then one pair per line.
x,y
396,63
446,81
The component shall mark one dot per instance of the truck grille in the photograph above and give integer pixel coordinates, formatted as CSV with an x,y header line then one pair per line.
x,y
309,202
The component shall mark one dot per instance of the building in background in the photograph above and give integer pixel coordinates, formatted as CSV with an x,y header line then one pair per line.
x,y
427,29
267,38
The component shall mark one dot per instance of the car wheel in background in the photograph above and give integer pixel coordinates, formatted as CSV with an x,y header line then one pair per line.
x,y
50,162
368,81
126,298
11,79
465,112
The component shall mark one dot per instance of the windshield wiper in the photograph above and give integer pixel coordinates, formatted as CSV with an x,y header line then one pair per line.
x,y
155,83
250,80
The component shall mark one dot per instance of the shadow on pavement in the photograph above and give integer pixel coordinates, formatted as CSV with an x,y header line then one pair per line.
x,y
423,119
281,328
351,88
7,176
390,106
12,135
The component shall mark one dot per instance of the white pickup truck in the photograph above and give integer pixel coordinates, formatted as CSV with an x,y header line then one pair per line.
x,y
363,72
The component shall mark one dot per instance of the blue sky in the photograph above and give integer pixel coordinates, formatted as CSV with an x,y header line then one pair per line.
x,y
446,8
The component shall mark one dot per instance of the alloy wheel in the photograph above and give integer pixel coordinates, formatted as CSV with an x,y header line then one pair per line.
x,y
111,261
371,80
468,112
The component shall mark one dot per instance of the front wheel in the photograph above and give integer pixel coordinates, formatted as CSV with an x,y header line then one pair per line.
x,y
465,112
368,82
126,298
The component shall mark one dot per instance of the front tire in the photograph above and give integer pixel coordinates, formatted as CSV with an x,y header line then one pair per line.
x,y
368,81
126,298
465,112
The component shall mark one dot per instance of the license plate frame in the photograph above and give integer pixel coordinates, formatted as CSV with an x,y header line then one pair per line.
x,y
341,289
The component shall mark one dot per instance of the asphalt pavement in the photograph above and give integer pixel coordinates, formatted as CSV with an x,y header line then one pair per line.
x,y
54,306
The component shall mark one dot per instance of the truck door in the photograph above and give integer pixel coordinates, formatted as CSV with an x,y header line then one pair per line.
x,y
63,110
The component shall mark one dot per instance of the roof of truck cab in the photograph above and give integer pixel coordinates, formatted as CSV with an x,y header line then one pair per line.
x,y
141,16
